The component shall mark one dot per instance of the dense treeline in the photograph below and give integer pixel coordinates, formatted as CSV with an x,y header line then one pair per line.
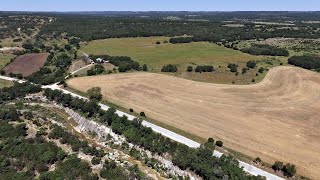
x,y
129,26
199,160
307,62
266,50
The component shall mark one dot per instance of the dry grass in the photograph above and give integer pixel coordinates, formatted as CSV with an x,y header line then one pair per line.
x,y
276,119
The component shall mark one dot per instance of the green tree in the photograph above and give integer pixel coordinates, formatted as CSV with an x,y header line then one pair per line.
x,y
95,93
189,68
144,67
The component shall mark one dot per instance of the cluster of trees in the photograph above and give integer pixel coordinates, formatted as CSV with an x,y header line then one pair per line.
x,y
266,50
18,91
95,70
199,160
205,68
169,68
124,63
307,62
8,113
288,170
20,157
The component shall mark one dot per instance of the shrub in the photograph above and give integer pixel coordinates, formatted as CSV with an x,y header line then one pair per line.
x,y
251,64
144,67
289,170
244,70
211,140
277,166
142,114
204,69
233,67
261,70
219,143
189,68
158,42
131,110
253,80
169,68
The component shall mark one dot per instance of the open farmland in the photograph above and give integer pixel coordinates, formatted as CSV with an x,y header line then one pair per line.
x,y
26,64
146,51
276,119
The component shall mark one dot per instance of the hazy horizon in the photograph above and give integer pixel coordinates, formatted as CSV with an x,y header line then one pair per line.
x,y
161,5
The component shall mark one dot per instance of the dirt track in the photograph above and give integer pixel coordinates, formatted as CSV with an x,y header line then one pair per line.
x,y
277,119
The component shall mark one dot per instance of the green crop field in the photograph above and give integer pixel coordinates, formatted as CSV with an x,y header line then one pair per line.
x,y
4,59
146,51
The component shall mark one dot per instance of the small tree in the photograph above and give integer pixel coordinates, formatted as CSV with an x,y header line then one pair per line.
x,y
189,68
131,110
95,93
211,140
277,166
158,42
289,170
142,114
257,160
261,70
219,143
251,64
144,67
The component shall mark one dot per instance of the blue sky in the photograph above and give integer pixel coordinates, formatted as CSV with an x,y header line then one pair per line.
x,y
159,5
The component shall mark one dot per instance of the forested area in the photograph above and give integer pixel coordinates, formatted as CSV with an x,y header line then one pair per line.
x,y
199,160
266,50
307,62
89,28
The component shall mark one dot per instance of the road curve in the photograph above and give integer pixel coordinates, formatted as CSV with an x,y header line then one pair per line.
x,y
167,133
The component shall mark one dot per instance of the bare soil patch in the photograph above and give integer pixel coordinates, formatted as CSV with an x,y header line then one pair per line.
x,y
276,119
26,64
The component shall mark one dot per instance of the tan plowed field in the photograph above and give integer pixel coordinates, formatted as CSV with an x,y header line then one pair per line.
x,y
277,119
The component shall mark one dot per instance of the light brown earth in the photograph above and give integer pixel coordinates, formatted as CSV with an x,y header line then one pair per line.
x,y
26,64
276,119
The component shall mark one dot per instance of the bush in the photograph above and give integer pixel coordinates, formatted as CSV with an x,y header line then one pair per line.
x,y
289,170
244,70
189,68
219,143
204,69
95,160
144,67
277,166
158,42
261,70
233,67
211,140
169,68
142,114
251,64
253,80
131,110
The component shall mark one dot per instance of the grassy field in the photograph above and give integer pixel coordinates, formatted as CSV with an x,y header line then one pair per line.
x,y
146,51
4,59
267,120
4,83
